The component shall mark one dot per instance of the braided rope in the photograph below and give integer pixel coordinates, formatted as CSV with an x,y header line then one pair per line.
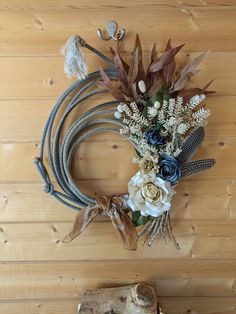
x,y
59,148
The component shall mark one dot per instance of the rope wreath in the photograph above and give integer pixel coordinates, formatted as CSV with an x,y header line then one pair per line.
x,y
60,151
59,148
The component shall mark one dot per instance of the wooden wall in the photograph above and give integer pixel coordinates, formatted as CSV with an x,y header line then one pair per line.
x,y
38,274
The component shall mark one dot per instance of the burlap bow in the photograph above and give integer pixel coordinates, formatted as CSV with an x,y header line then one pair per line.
x,y
116,208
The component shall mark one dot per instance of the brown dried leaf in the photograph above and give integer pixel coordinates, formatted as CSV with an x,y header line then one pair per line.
x,y
153,54
121,73
169,69
189,93
155,87
189,70
136,97
125,64
141,71
165,58
206,87
107,83
152,76
133,70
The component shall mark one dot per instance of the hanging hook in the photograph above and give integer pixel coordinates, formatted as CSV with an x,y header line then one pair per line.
x,y
112,32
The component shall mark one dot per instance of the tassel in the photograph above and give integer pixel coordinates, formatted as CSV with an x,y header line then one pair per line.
x,y
74,64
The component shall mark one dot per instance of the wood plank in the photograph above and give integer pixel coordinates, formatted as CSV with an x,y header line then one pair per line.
x,y
199,305
221,123
173,305
44,77
68,280
105,4
92,163
32,31
39,307
28,202
198,240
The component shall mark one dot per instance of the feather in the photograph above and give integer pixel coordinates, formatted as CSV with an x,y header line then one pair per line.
x,y
189,168
191,144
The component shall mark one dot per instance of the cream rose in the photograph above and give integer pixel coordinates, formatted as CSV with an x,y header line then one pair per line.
x,y
149,194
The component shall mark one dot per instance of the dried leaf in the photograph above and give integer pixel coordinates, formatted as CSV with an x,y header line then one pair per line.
x,y
125,64
107,83
133,70
152,77
136,97
206,87
141,71
169,69
189,70
121,73
165,58
189,93
154,54
155,87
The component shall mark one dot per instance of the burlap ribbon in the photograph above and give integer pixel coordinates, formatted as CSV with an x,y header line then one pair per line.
x,y
116,208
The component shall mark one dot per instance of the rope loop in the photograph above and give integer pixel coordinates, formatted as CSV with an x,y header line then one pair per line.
x,y
49,188
59,141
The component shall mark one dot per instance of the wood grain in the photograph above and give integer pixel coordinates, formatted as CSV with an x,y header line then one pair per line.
x,y
32,31
46,78
68,280
91,163
198,240
39,274
106,4
173,305
27,202
221,123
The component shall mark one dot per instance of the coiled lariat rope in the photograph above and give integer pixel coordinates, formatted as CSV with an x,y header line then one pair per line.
x,y
59,151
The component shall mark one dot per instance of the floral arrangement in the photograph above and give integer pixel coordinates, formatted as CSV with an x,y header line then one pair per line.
x,y
165,120
162,118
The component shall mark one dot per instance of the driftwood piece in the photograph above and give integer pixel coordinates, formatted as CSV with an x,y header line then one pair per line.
x,y
138,298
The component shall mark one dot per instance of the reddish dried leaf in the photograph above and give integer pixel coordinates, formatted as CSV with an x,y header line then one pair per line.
x,y
121,74
107,83
136,97
133,70
152,77
154,54
155,87
169,69
189,70
165,58
141,71
189,93
125,64
207,85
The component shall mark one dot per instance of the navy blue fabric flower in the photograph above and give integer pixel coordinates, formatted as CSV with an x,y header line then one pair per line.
x,y
154,138
170,169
